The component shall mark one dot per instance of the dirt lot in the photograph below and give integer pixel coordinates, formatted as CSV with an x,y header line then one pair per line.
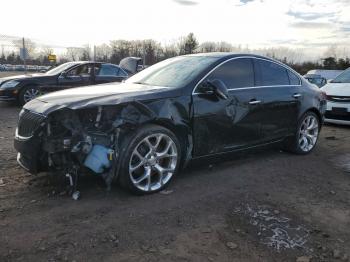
x,y
265,205
4,74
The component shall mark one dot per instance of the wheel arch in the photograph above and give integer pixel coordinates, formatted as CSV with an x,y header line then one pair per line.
x,y
23,86
317,112
183,134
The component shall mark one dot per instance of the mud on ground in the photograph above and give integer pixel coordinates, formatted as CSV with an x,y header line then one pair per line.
x,y
265,205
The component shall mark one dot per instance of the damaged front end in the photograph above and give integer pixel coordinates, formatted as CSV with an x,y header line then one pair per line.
x,y
74,141
71,141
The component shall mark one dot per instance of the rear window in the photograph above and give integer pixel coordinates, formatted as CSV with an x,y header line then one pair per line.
x,y
108,70
272,74
293,79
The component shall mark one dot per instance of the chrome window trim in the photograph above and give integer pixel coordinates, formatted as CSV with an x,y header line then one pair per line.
x,y
248,87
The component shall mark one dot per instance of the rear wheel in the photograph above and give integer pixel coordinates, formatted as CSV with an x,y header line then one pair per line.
x,y
307,134
28,93
152,159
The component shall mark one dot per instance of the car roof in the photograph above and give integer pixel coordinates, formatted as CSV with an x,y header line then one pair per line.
x,y
227,55
89,62
75,63
312,76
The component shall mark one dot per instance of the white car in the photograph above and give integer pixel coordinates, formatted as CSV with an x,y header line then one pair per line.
x,y
338,99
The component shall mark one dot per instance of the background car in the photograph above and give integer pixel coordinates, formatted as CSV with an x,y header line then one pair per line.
x,y
316,79
141,132
338,99
23,88
327,74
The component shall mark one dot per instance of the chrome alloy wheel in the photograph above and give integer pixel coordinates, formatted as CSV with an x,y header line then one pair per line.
x,y
30,94
153,162
308,133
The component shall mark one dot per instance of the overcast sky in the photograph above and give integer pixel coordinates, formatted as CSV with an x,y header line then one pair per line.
x,y
256,23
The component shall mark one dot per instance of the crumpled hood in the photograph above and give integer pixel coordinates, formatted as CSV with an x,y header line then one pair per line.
x,y
337,89
105,94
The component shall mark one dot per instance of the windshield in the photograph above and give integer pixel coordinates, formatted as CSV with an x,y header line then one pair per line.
x,y
343,77
174,72
60,68
317,81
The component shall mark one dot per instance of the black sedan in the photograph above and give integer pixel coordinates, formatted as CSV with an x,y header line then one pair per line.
x,y
23,88
141,132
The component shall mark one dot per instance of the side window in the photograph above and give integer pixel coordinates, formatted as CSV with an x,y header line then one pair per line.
x,y
272,74
293,79
108,70
237,73
122,73
83,70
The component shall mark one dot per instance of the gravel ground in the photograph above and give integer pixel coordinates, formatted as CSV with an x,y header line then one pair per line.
x,y
13,73
262,205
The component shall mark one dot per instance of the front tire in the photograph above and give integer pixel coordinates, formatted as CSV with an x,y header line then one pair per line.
x,y
27,94
306,136
151,160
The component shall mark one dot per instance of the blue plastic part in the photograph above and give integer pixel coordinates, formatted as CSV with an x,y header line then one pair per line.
x,y
97,160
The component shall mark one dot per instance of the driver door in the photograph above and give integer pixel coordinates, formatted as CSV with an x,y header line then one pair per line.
x,y
223,125
81,75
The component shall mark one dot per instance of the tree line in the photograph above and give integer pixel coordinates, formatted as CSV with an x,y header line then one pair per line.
x,y
152,52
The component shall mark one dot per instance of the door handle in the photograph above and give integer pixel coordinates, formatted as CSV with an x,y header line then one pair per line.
x,y
297,95
254,102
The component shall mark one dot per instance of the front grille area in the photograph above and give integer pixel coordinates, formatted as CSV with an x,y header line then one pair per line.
x,y
338,98
344,117
28,123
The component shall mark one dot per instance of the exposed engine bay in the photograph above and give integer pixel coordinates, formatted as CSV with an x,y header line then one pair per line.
x,y
82,141
82,133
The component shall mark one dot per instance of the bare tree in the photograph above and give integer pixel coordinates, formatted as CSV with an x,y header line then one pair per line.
x,y
169,51
103,52
207,47
85,53
73,53
331,51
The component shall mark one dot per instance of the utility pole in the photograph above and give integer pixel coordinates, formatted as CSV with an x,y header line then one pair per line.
x,y
24,55
144,54
2,51
94,53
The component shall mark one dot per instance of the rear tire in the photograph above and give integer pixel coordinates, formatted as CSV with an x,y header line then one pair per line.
x,y
150,161
306,135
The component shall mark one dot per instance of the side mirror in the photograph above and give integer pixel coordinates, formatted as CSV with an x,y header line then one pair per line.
x,y
64,74
219,88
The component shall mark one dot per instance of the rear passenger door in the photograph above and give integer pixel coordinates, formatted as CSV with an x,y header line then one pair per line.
x,y
106,73
280,98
